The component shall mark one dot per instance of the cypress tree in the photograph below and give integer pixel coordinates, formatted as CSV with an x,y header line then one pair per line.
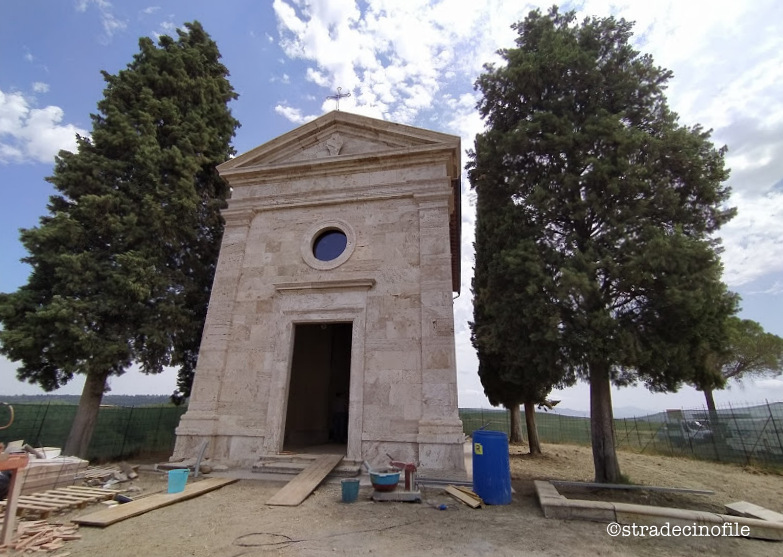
x,y
617,202
122,265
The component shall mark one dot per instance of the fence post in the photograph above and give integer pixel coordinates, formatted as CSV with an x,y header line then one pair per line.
x,y
636,427
125,435
758,439
40,428
157,426
714,427
774,426
741,436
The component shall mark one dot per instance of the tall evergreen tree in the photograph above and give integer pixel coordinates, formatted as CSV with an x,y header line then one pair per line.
x,y
514,330
620,203
123,264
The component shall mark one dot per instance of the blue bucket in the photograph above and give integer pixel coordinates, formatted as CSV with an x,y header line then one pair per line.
x,y
491,467
177,480
350,490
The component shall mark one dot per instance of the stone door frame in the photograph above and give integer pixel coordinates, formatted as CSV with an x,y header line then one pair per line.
x,y
316,300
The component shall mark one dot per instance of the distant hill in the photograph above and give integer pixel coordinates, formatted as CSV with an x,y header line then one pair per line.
x,y
111,400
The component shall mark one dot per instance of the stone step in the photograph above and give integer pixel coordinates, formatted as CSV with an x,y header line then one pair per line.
x,y
294,464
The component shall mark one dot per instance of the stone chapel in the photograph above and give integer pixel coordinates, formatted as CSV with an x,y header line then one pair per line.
x,y
331,321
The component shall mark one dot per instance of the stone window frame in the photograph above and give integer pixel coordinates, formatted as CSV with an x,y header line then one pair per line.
x,y
315,231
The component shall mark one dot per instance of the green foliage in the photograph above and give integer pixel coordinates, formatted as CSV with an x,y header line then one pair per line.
x,y
123,264
514,332
603,207
617,202
750,351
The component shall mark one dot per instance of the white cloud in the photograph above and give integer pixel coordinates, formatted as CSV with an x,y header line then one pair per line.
x,y
40,87
774,290
151,10
293,114
30,134
754,238
770,384
414,61
397,55
110,23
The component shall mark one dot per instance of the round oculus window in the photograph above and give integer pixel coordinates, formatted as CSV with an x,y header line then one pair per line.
x,y
329,245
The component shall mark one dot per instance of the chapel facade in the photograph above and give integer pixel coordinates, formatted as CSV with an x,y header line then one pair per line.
x,y
331,320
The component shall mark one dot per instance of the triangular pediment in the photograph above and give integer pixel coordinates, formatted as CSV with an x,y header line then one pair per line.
x,y
336,136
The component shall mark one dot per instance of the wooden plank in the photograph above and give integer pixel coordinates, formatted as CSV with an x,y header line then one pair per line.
x,y
86,497
592,485
14,488
303,484
750,510
469,493
95,491
463,497
66,501
110,516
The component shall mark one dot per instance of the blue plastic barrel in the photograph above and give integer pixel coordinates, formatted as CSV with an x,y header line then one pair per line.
x,y
491,468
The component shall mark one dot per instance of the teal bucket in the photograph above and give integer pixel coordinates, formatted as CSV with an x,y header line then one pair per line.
x,y
350,490
177,480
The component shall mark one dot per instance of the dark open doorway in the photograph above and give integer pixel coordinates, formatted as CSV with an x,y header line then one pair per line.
x,y
318,392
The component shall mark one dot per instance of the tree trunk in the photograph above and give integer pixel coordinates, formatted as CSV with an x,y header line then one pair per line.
x,y
516,424
607,468
710,402
532,430
716,426
86,415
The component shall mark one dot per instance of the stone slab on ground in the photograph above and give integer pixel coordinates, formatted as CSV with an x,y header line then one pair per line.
x,y
750,510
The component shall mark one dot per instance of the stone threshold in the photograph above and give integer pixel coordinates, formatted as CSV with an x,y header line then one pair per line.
x,y
295,463
555,505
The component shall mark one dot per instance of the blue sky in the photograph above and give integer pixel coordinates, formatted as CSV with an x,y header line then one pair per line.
x,y
412,62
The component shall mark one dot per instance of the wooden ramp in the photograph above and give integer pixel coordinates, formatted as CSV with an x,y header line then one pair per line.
x,y
303,485
107,517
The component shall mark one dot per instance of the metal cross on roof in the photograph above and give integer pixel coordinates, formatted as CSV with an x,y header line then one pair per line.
x,y
338,96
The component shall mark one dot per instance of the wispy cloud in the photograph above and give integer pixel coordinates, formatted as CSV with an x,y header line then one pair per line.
x,y
40,87
110,23
30,134
775,290
294,114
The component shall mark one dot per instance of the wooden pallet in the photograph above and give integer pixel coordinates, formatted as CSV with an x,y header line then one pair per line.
x,y
56,500
98,473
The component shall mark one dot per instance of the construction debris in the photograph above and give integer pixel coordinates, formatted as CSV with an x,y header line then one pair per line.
x,y
41,537
464,496
108,475
55,500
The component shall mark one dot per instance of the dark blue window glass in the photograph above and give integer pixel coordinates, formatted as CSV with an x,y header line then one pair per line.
x,y
329,245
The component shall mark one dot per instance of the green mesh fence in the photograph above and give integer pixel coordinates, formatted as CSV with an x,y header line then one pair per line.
x,y
120,432
748,435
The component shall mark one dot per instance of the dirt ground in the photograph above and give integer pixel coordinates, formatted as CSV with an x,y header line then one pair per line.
x,y
234,521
